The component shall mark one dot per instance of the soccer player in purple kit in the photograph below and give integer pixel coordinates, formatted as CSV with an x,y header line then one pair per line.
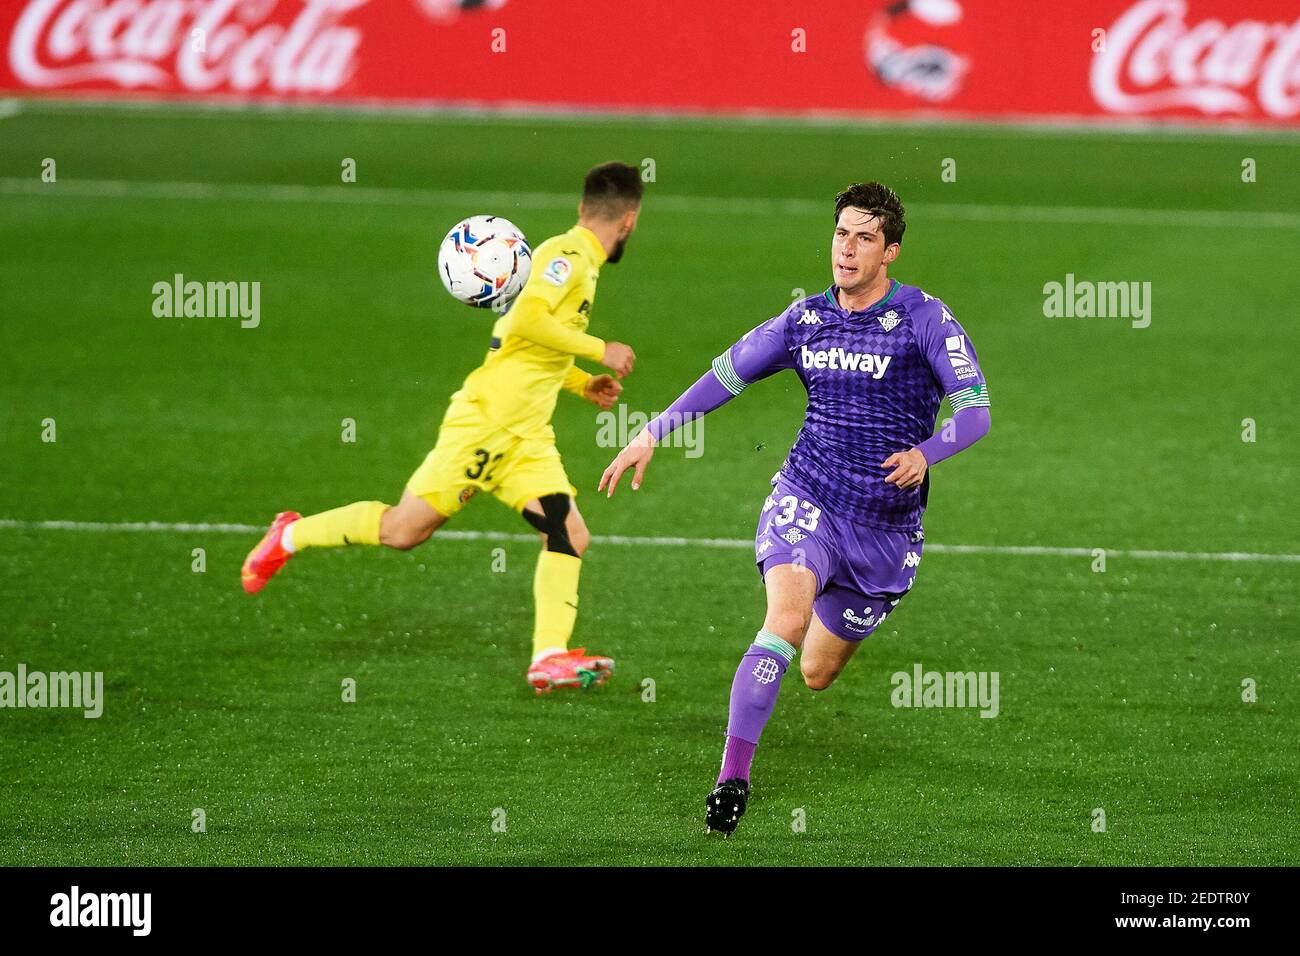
x,y
839,537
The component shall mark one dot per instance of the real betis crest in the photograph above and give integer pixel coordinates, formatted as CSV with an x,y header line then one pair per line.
x,y
889,320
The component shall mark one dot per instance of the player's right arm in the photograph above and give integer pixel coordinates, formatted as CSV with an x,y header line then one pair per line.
x,y
535,316
761,352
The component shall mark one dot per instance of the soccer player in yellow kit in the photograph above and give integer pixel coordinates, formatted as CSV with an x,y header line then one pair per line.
x,y
496,435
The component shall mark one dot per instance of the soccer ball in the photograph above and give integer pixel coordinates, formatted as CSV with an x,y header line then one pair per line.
x,y
485,261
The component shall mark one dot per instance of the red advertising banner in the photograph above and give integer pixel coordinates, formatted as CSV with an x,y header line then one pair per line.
x,y
1213,61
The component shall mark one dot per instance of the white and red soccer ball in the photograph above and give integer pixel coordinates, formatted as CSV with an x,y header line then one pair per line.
x,y
484,262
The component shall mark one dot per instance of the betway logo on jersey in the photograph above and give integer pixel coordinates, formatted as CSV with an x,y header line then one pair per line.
x,y
197,46
838,358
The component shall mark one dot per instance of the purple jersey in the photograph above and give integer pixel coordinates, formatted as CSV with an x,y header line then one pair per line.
x,y
875,380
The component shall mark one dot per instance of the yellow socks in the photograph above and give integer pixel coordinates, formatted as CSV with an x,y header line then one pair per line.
x,y
555,601
555,582
357,523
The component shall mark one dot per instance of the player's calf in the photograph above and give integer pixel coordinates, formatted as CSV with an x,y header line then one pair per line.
x,y
579,536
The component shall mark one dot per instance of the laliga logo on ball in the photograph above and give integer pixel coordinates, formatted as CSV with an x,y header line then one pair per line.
x,y
484,262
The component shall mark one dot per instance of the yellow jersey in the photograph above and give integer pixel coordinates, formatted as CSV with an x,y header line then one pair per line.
x,y
534,344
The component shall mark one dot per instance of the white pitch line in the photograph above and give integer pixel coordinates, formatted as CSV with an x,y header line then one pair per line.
x,y
702,205
737,544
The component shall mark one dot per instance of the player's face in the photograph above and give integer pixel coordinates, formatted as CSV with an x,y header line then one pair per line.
x,y
858,250
626,225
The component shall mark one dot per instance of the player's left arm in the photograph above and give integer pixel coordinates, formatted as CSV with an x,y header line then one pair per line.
x,y
956,368
601,390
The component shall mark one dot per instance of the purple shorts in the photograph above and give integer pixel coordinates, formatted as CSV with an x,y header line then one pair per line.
x,y
862,572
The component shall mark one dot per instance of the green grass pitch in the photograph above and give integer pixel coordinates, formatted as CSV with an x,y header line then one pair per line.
x,y
1119,690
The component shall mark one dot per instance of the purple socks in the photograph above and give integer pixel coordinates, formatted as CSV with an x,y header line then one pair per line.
x,y
737,755
753,695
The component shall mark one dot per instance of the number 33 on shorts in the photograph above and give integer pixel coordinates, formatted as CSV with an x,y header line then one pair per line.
x,y
804,514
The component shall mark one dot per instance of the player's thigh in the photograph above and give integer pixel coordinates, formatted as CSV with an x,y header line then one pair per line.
x,y
795,549
533,471
408,523
791,589
470,456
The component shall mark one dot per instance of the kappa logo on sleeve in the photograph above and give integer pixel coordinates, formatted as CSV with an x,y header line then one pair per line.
x,y
557,271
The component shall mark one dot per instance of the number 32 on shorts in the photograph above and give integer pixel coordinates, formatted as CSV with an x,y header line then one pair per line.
x,y
803,513
482,459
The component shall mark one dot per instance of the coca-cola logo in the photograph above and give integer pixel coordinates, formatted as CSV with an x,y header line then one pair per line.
x,y
197,45
1154,60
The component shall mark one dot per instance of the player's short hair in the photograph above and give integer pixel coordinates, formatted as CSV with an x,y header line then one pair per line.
x,y
879,200
611,189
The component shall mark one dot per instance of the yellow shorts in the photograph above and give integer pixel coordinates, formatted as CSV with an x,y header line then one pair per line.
x,y
474,454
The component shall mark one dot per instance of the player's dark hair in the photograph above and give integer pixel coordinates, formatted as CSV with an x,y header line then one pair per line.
x,y
879,200
611,189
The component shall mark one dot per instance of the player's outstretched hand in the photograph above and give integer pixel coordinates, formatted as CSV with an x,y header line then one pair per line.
x,y
909,468
619,358
603,390
636,455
